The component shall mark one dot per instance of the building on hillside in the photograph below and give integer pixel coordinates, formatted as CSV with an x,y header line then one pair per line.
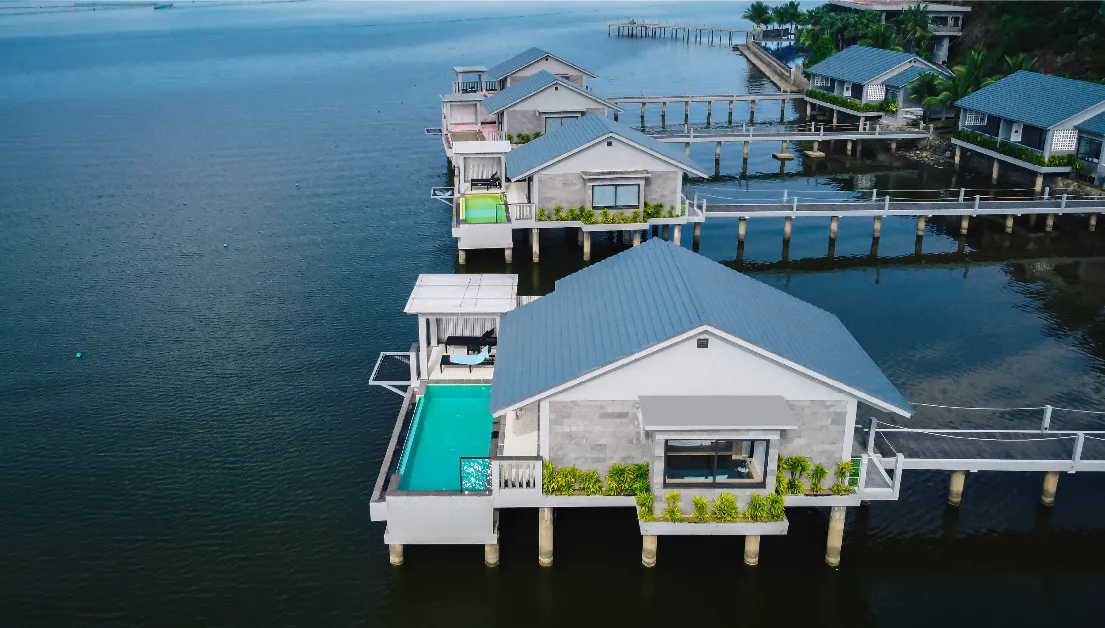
x,y
946,20
656,355
1044,124
867,78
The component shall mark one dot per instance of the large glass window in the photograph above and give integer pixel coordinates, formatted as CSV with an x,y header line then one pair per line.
x,y
1089,149
619,196
553,123
715,462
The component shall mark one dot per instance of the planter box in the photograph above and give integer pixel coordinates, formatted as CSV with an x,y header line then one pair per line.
x,y
822,500
589,501
741,528
843,109
1010,160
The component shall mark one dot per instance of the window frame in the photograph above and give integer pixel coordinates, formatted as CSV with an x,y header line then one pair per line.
x,y
616,206
1096,156
716,449
546,118
980,118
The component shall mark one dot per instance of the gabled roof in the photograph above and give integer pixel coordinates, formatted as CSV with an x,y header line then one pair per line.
x,y
523,89
574,136
523,59
1095,124
1037,99
658,291
860,64
907,76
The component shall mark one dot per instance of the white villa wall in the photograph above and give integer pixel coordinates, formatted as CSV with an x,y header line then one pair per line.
x,y
552,66
524,116
436,519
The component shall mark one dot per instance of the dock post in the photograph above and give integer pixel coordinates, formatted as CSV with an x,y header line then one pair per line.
x,y
834,119
1093,222
752,112
955,489
676,231
586,246
782,110
1008,220
994,173
663,115
395,554
462,258
636,237
878,228
957,158
752,550
809,109
1051,482
963,223
848,148
544,536
746,150
696,235
920,226
815,143
1049,223
742,228
579,237
687,113
709,111
535,239
1039,181
730,111
615,115
648,550
687,148
836,536
833,224
665,232
786,228
893,146
508,255
717,153
491,554
642,115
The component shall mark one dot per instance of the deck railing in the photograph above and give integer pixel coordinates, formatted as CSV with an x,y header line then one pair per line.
x,y
516,474
522,211
472,87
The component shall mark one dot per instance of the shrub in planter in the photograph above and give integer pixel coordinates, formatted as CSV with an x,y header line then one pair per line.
x,y
639,479
542,214
817,475
537,134
646,508
523,138
671,508
590,483
840,488
843,471
564,481
758,508
776,507
510,137
796,467
701,513
618,479
548,475
780,479
725,509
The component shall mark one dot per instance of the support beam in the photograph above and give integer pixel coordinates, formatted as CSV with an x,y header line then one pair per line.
x,y
836,536
1049,223
545,535
648,550
893,146
395,554
1039,182
709,111
717,152
752,112
786,228
1051,482
664,114
586,247
834,118
535,239
687,112
834,222
687,148
848,148
782,110
746,144
752,550
878,227
742,227
491,554
665,232
579,238
955,488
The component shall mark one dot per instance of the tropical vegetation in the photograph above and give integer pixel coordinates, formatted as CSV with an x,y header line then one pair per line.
x,y
606,217
1014,150
621,479
724,509
849,103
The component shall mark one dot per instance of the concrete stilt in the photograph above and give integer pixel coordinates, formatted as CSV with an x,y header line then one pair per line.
x,y
545,536
1093,222
994,173
687,112
957,158
663,114
746,150
636,237
676,231
717,152
666,232
836,536
730,112
859,148
1049,223
462,257
1039,182
508,255
893,146
535,239
709,111
878,227
395,554
696,234
920,226
963,223
491,554
834,222
1051,482
782,110
648,550
955,489
752,112
834,118
1008,222
642,115
786,228
579,238
586,246
809,109
687,148
742,227
848,147
752,550
815,143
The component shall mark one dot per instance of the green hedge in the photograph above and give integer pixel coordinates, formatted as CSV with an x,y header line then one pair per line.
x,y
851,103
606,217
760,509
1017,151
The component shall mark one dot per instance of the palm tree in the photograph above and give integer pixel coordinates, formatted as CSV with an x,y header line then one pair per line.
x,y
1020,62
951,89
916,27
882,36
758,13
779,14
977,68
792,12
925,89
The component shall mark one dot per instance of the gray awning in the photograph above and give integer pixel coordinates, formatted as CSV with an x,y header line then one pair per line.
x,y
716,412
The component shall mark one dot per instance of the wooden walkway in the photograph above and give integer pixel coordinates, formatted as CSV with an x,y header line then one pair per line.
x,y
697,34
885,206
703,98
782,135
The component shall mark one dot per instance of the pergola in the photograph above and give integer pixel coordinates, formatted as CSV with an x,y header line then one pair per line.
x,y
461,305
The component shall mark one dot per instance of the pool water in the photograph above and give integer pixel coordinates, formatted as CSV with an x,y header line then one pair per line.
x,y
484,208
450,422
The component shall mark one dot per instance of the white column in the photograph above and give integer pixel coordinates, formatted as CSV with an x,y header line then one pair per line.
x,y
423,359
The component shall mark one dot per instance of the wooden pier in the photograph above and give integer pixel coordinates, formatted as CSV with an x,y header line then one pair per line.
x,y
696,34
709,99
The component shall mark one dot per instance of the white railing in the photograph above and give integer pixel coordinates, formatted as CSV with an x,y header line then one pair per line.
x,y
522,211
474,87
516,474
493,136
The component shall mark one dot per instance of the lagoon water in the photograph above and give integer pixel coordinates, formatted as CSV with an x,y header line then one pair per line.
x,y
223,208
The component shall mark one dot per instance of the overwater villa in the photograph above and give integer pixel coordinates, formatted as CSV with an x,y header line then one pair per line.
x,y
860,81
1044,124
654,375
945,20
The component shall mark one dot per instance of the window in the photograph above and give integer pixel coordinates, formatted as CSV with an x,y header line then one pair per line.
x,y
1089,149
820,81
622,196
1064,139
553,123
974,118
876,92
715,462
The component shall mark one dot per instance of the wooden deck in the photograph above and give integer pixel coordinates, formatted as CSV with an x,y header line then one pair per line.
x,y
885,206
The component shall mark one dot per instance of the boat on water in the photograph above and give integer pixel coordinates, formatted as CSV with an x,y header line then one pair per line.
x,y
158,7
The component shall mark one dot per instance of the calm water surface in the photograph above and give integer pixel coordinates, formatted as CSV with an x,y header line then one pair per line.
x,y
210,459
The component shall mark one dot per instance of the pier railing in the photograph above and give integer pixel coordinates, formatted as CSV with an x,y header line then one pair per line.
x,y
522,211
516,473
472,87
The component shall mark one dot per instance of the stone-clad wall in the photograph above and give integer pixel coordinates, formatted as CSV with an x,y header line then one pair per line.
x,y
593,435
820,435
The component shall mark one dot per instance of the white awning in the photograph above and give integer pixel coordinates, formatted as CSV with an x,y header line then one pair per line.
x,y
468,295
716,412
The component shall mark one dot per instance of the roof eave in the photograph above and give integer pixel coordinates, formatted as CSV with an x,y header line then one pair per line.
x,y
682,166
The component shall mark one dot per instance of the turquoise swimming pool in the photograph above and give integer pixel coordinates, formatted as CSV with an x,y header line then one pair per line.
x,y
450,423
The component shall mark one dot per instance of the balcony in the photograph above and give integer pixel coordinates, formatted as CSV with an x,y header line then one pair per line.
x,y
475,87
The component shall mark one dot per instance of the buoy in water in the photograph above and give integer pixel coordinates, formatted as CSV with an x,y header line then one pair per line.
x,y
225,245
78,354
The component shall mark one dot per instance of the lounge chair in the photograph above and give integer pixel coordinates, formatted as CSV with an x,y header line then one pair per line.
x,y
483,358
472,343
493,182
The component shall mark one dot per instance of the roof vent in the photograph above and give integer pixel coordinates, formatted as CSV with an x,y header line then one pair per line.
x,y
556,88
609,142
703,343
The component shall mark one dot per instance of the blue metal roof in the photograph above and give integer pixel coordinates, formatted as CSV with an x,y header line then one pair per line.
x,y
1095,124
652,293
907,76
574,135
860,64
531,85
1040,100
521,60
